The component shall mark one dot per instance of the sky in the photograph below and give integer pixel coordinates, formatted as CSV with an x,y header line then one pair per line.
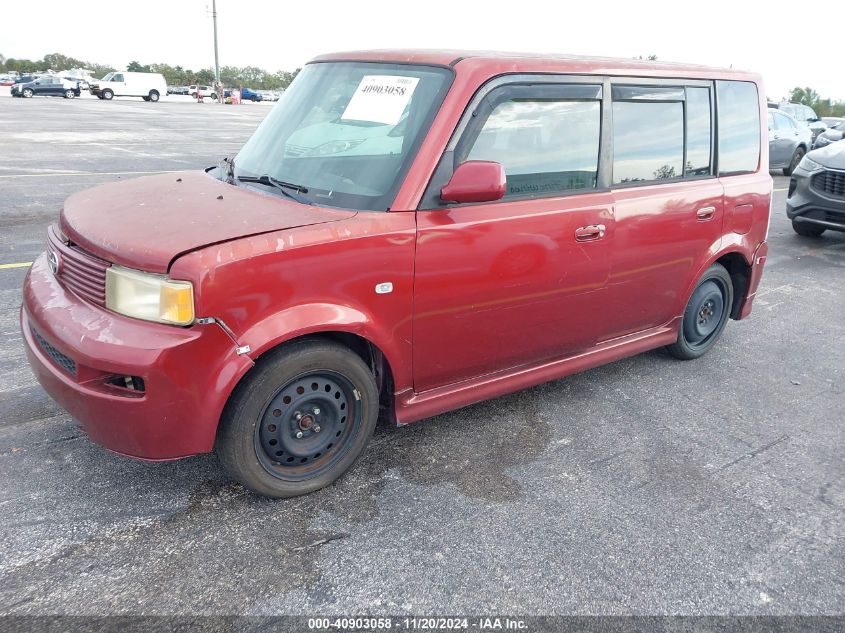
x,y
283,35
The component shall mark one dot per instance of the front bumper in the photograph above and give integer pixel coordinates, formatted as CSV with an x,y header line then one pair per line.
x,y
76,349
808,205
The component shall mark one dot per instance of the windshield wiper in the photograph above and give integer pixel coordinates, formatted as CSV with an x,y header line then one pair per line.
x,y
281,185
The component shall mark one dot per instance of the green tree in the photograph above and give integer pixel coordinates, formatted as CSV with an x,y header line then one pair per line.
x,y
137,67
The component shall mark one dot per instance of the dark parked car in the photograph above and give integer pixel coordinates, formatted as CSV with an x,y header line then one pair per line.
x,y
47,86
247,94
789,140
830,135
816,199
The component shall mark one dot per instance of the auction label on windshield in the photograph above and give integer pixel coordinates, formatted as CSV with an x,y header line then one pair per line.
x,y
380,99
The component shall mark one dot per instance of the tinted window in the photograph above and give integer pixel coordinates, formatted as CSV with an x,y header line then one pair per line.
x,y
648,140
739,126
698,132
783,122
545,146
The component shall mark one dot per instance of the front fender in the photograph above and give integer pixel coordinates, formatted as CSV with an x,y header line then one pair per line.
x,y
314,318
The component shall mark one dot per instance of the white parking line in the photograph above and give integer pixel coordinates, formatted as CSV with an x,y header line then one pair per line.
x,y
92,173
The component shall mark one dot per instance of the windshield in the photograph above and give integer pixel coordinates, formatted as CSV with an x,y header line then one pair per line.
x,y
107,77
346,131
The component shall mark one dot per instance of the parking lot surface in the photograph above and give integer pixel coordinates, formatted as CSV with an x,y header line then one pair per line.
x,y
646,486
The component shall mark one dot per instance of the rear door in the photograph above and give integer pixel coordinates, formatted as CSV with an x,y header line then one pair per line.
x,y
507,283
787,136
669,204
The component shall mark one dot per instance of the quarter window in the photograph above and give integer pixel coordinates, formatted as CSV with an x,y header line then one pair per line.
x,y
546,146
739,127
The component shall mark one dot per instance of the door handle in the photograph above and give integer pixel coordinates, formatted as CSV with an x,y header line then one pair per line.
x,y
590,233
705,213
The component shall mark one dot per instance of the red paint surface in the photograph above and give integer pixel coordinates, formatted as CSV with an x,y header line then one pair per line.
x,y
487,298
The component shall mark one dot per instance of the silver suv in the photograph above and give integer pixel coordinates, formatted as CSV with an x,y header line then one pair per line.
x,y
789,141
802,114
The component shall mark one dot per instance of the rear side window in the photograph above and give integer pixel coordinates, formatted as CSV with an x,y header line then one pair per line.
x,y
648,140
546,146
739,127
783,122
698,132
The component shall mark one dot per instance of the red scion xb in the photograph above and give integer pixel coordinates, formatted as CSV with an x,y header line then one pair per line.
x,y
407,231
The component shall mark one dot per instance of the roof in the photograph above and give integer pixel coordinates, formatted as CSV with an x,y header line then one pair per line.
x,y
555,62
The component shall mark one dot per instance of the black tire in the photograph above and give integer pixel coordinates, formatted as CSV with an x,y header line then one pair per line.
x,y
193,95
69,94
299,420
153,96
27,93
796,158
108,95
807,230
706,314
214,96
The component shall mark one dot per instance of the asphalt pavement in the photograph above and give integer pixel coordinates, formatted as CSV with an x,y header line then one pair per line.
x,y
648,486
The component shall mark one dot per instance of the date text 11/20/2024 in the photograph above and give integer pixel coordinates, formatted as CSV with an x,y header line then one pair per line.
x,y
418,623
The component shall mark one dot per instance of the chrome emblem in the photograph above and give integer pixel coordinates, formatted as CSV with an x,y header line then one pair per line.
x,y
54,261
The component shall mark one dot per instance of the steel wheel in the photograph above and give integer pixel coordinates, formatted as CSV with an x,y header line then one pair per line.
x,y
299,419
307,426
706,314
708,308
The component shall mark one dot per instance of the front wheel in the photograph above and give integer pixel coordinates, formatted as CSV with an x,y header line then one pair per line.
x,y
807,230
108,95
27,93
69,94
705,316
796,158
299,420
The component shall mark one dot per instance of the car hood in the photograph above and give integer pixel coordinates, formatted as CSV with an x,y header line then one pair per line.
x,y
832,156
148,222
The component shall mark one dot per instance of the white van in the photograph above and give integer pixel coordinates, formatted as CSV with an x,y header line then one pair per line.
x,y
149,86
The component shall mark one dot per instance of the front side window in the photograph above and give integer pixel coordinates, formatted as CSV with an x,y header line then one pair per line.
x,y
117,77
648,140
346,131
738,108
546,146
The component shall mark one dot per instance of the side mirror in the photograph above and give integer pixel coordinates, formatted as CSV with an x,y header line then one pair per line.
x,y
475,181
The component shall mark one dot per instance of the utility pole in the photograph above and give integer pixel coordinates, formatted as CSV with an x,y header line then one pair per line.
x,y
216,61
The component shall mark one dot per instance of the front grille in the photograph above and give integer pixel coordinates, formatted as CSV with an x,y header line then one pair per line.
x,y
80,272
830,182
65,362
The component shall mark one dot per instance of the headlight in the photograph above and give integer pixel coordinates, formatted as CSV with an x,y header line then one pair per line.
x,y
823,140
149,297
807,164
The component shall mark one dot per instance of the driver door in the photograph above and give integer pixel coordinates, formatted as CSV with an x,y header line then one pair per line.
x,y
508,283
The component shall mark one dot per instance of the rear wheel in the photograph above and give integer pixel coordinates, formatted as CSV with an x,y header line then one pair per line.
x,y
807,230
796,158
154,96
300,420
108,95
706,314
69,94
